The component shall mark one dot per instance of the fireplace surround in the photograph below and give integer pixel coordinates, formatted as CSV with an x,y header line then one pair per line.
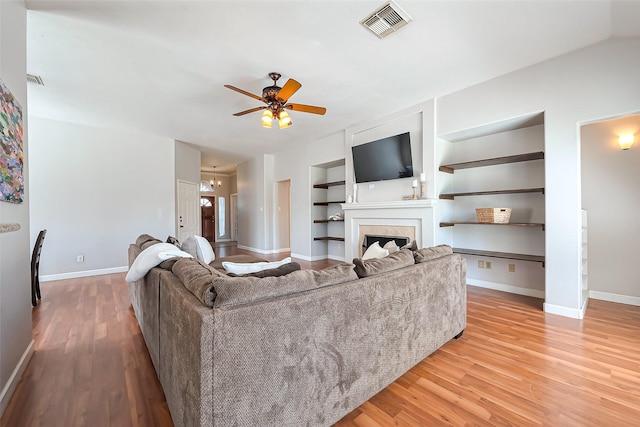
x,y
414,217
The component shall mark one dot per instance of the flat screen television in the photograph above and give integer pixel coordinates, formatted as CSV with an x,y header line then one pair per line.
x,y
387,158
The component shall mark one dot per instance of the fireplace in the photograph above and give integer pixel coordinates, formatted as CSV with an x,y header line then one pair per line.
x,y
370,239
412,219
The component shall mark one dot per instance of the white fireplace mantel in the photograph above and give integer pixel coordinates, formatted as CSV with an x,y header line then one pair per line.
x,y
411,213
393,204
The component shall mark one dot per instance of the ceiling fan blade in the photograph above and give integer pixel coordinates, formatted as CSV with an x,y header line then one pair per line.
x,y
289,88
242,113
307,108
244,92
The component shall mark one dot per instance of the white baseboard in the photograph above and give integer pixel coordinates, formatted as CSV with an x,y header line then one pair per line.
x,y
223,240
622,299
506,288
337,258
85,273
309,258
279,251
14,379
560,310
260,251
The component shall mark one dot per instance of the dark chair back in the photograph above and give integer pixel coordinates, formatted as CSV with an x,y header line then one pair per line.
x,y
35,268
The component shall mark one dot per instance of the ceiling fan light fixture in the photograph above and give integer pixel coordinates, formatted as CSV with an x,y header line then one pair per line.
x,y
284,120
267,118
277,100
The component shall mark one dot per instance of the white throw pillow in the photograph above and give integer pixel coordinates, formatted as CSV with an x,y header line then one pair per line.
x,y
199,248
204,250
151,257
252,267
375,251
391,246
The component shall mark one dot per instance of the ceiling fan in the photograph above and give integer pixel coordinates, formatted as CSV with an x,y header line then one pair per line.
x,y
276,98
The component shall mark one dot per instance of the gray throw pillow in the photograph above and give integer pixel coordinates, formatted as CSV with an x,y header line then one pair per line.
x,y
426,254
370,267
283,270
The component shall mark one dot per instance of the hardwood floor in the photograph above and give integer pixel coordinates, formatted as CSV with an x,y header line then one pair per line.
x,y
514,366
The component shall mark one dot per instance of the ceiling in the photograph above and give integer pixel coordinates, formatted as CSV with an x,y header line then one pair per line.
x,y
159,66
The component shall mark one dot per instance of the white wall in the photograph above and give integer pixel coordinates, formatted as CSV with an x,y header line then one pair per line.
x,y
595,82
187,162
16,345
251,205
297,165
610,194
409,120
95,190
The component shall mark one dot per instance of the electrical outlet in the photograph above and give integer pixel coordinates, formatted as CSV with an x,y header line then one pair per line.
x,y
480,264
80,258
512,268
487,265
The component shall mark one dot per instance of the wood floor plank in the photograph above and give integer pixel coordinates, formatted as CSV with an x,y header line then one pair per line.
x,y
514,366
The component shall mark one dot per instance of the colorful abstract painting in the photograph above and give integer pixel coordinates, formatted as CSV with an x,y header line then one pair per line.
x,y
11,153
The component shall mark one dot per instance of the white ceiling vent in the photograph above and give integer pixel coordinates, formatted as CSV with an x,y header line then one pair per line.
x,y
35,79
386,20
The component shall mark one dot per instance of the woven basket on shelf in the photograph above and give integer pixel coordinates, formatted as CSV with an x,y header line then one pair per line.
x,y
493,215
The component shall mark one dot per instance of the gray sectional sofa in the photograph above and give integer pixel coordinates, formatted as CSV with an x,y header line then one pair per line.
x,y
303,349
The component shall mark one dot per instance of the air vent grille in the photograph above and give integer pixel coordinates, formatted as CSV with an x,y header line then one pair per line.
x,y
386,20
35,79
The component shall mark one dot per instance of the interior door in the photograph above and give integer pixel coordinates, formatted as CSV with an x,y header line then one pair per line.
x,y
207,213
188,209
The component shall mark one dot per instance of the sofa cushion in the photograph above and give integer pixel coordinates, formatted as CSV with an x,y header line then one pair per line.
x,y
144,238
375,251
241,290
150,257
370,267
252,267
426,254
197,277
283,270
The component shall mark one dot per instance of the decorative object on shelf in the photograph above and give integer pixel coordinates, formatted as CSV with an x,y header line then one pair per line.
x,y
337,217
626,141
414,186
11,148
276,98
355,193
350,199
423,180
493,215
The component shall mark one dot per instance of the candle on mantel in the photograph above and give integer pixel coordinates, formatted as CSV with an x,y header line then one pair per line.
x,y
423,177
415,183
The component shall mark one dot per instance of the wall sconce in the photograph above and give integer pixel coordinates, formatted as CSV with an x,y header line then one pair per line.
x,y
626,141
